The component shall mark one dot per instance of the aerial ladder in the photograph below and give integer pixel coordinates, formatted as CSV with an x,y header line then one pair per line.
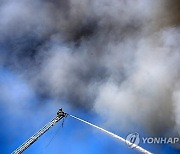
x,y
36,136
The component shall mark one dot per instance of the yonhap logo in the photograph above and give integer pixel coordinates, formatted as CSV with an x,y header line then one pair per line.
x,y
133,140
161,140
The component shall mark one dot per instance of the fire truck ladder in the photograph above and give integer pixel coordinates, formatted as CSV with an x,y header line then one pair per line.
x,y
37,135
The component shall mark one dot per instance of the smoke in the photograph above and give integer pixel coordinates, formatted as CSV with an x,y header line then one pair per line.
x,y
120,58
148,92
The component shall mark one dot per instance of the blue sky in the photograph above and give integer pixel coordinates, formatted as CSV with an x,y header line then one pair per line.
x,y
113,63
21,116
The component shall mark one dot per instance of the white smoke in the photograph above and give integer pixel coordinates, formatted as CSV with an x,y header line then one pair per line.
x,y
118,57
146,96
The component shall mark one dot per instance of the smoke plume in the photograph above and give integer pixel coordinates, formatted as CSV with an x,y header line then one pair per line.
x,y
120,58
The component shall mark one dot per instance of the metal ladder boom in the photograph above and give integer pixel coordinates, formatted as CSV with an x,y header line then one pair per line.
x,y
35,137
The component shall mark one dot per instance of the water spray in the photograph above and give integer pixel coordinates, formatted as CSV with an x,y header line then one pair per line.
x,y
61,115
142,150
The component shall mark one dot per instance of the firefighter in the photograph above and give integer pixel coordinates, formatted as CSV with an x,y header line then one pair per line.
x,y
61,113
